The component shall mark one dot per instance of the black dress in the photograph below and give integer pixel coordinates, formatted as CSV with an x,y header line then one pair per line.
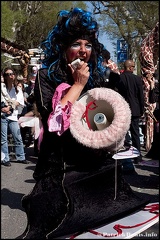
x,y
75,185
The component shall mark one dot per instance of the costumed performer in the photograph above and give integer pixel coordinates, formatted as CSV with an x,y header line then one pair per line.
x,y
75,184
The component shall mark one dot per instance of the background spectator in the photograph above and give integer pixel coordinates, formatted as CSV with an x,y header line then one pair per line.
x,y
131,88
10,121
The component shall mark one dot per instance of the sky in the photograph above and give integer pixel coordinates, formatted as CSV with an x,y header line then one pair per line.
x,y
108,45
104,38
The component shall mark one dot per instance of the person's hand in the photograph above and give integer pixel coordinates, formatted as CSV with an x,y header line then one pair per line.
x,y
14,103
152,84
150,80
149,77
6,110
80,74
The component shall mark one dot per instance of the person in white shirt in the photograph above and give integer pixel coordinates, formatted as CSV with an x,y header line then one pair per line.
x,y
9,119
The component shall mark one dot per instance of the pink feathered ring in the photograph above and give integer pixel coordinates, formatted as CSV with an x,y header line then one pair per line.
x,y
100,118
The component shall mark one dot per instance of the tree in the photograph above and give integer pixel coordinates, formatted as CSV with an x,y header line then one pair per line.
x,y
128,20
9,20
28,22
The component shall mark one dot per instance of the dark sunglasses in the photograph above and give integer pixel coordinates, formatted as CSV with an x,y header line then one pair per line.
x,y
9,74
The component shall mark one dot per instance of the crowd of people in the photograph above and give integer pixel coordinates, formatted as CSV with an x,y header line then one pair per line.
x,y
9,117
47,102
16,101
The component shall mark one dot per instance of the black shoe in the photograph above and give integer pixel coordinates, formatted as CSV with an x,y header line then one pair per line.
x,y
124,149
23,161
137,160
7,164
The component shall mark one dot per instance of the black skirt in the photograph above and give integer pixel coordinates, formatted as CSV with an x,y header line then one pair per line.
x,y
70,198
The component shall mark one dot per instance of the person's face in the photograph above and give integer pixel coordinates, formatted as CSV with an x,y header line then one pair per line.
x,y
9,75
79,49
20,85
132,67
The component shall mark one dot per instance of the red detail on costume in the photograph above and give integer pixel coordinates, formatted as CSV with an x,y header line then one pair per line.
x,y
153,208
90,106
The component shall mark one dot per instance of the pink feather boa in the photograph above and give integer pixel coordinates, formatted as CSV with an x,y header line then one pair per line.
x,y
112,137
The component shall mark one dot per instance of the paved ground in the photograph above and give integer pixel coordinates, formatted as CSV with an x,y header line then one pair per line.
x,y
17,180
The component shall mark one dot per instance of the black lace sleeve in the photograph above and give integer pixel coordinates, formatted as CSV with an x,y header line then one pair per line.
x,y
43,92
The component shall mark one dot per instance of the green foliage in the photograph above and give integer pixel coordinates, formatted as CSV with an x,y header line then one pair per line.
x,y
7,19
128,20
31,20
